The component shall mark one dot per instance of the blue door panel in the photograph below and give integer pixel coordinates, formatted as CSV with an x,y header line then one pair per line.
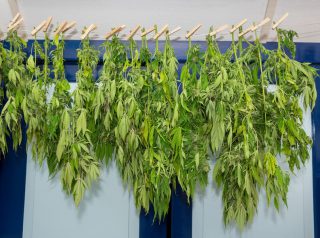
x,y
181,215
12,188
150,227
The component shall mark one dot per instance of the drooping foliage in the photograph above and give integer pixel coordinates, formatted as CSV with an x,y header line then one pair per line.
x,y
160,122
14,82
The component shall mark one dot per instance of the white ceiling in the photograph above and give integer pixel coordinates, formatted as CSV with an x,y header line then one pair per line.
x,y
303,17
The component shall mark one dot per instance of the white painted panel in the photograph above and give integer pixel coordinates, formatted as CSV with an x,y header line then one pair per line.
x,y
110,13
294,222
5,16
107,210
303,15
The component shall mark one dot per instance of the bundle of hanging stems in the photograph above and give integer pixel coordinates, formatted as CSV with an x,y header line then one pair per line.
x,y
242,109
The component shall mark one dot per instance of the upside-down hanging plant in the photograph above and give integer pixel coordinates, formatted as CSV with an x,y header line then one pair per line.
x,y
190,140
265,128
104,103
34,104
75,150
160,126
3,141
14,83
242,106
58,103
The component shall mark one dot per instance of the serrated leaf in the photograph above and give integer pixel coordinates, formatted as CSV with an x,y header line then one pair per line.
x,y
78,191
120,110
30,62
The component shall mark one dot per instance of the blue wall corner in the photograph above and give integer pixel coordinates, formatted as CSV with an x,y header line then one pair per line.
x,y
12,190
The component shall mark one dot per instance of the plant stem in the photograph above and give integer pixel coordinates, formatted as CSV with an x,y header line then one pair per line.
x,y
262,82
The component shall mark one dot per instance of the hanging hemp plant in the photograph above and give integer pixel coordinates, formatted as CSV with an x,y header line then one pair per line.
x,y
57,119
105,114
238,160
192,166
266,131
3,53
34,104
243,107
128,131
14,83
3,141
145,175
161,135
75,150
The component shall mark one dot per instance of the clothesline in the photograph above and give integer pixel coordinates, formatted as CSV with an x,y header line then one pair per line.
x,y
221,35
67,26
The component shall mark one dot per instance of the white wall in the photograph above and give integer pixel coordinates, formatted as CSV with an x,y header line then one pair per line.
x,y
294,222
108,209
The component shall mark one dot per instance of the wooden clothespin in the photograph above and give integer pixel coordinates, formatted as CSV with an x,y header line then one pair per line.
x,y
147,31
246,31
68,26
163,30
88,30
60,27
190,33
45,28
263,22
238,25
221,28
115,31
16,17
133,32
280,21
38,28
174,31
15,25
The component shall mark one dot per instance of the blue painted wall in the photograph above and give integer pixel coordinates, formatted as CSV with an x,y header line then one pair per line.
x,y
316,159
12,187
